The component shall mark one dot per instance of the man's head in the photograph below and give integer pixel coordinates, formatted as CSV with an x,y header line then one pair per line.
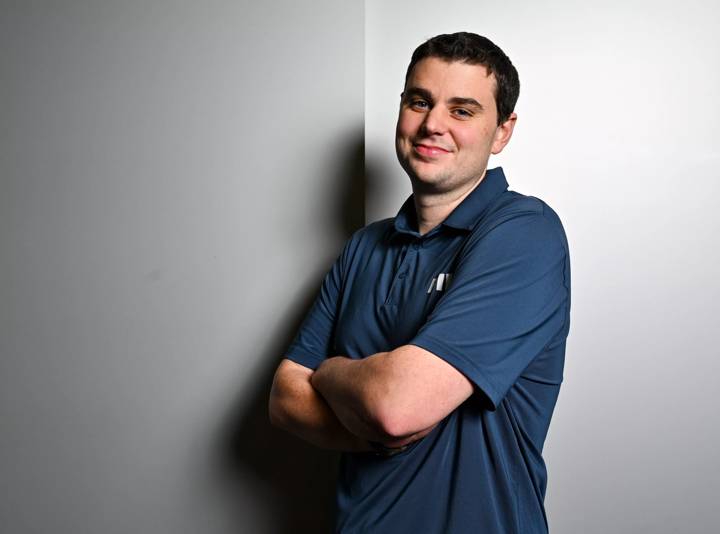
x,y
474,49
456,110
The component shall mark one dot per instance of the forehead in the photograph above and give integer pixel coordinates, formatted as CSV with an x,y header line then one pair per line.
x,y
453,79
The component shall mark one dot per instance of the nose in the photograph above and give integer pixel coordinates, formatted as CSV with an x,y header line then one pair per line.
x,y
435,122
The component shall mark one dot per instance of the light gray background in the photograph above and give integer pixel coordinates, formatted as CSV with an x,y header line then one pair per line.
x,y
618,131
175,178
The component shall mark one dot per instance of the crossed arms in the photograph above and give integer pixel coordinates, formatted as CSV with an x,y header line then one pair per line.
x,y
518,267
393,398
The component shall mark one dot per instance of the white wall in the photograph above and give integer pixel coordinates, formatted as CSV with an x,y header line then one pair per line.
x,y
172,176
618,131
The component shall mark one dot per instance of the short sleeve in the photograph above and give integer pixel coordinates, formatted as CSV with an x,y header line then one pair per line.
x,y
313,342
507,301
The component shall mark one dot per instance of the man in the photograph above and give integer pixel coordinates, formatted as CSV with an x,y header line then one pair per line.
x,y
433,355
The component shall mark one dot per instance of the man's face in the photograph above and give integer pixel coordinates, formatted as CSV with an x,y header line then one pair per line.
x,y
447,127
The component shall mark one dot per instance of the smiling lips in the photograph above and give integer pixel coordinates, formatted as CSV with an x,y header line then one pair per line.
x,y
429,150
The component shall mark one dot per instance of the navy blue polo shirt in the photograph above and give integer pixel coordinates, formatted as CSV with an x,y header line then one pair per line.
x,y
488,291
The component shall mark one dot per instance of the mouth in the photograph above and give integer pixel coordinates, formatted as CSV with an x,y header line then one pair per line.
x,y
429,150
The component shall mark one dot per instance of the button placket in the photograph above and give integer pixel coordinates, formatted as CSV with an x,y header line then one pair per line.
x,y
401,274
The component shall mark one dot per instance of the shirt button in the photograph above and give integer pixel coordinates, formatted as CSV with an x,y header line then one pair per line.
x,y
402,274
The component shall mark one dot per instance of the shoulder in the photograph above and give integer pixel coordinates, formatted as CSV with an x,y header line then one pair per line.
x,y
371,234
376,230
517,217
518,229
365,239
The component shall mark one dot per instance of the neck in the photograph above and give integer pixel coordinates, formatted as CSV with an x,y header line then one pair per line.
x,y
432,208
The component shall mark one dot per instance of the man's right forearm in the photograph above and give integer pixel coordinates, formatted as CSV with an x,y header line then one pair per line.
x,y
299,409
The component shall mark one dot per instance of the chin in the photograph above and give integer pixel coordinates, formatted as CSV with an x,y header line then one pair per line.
x,y
427,172
431,183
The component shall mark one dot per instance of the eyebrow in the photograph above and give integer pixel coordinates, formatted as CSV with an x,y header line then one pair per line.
x,y
456,100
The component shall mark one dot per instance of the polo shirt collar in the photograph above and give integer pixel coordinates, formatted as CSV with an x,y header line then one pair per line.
x,y
467,213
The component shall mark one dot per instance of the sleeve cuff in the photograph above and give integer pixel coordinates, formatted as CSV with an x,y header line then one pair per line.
x,y
441,350
304,358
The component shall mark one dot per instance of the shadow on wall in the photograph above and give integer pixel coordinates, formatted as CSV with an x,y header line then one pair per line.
x,y
299,478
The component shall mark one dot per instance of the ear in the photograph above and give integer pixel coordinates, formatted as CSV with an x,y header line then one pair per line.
x,y
503,133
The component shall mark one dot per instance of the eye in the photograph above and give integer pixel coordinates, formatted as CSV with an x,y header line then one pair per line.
x,y
419,104
462,113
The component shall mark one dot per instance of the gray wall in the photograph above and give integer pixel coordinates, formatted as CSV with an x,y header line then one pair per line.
x,y
175,176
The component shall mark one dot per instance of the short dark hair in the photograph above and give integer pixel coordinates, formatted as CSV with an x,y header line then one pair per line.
x,y
476,50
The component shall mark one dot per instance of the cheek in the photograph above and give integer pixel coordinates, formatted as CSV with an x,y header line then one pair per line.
x,y
406,126
465,139
475,138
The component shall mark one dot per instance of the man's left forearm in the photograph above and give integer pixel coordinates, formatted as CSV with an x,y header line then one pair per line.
x,y
353,388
